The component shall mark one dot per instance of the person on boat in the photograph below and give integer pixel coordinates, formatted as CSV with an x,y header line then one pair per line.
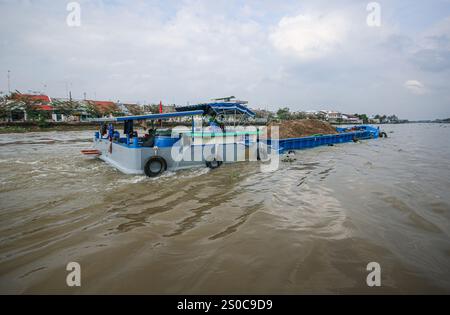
x,y
103,129
149,138
216,125
110,132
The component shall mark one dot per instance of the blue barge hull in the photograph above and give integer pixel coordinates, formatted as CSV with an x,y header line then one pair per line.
x,y
343,135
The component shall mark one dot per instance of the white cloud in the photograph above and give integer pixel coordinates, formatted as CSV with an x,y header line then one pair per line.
x,y
309,36
415,87
120,53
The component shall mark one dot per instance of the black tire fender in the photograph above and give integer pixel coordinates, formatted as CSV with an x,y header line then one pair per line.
x,y
149,169
213,163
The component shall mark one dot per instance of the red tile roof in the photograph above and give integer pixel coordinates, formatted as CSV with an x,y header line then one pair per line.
x,y
33,97
104,106
44,107
39,102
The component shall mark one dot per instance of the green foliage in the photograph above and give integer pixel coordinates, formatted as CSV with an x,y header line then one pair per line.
x,y
67,108
4,109
298,115
363,117
284,113
116,114
91,110
42,120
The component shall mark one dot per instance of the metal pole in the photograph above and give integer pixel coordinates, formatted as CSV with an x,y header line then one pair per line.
x,y
193,129
9,81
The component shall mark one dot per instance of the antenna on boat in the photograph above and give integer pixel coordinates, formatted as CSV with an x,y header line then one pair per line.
x,y
160,111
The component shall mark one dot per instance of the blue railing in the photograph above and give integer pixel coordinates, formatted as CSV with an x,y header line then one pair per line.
x,y
367,132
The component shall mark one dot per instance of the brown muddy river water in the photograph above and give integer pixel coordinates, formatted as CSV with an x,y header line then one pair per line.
x,y
312,226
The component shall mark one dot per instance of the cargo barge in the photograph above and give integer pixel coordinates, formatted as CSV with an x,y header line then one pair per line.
x,y
355,133
161,149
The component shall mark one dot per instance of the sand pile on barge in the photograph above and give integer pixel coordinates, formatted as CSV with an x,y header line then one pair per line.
x,y
302,128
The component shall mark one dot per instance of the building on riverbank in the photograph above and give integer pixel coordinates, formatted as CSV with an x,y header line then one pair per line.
x,y
32,107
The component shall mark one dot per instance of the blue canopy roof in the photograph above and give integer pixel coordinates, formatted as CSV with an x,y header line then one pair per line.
x,y
153,116
161,116
219,108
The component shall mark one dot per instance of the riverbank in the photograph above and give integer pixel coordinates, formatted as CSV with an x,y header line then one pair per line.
x,y
22,127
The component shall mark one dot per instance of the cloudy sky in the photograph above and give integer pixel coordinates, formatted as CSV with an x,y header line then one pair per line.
x,y
302,54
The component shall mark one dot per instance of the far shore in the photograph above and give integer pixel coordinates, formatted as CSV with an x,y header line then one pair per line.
x,y
23,127
33,126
